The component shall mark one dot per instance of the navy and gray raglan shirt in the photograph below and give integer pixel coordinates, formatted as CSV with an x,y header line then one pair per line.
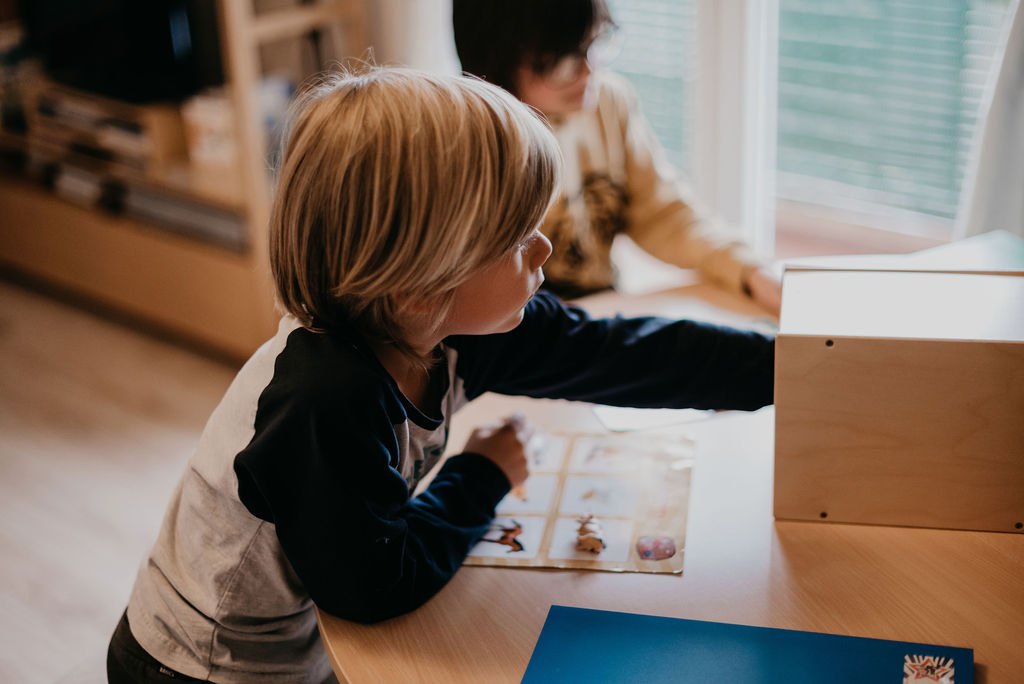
x,y
300,490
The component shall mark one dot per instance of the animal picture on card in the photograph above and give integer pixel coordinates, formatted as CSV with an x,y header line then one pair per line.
x,y
603,496
518,536
546,452
534,496
616,534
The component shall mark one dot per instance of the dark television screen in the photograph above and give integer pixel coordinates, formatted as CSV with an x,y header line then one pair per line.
x,y
134,50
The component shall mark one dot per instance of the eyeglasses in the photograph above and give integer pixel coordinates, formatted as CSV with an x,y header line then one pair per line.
x,y
598,53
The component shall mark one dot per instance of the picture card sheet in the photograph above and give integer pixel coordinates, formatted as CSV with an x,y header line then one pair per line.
x,y
614,502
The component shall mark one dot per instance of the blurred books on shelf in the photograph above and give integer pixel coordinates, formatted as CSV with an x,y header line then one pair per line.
x,y
210,135
115,136
190,218
140,160
78,185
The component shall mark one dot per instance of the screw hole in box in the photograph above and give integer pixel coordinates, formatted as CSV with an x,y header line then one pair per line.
x,y
1019,525
829,343
823,514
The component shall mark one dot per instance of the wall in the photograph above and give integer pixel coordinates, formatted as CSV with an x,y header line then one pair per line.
x,y
416,33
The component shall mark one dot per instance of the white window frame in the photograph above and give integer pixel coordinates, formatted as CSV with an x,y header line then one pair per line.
x,y
734,104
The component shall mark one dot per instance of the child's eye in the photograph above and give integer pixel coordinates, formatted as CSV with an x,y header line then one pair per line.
x,y
527,241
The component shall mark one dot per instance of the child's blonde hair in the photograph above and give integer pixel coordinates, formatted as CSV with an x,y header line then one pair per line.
x,y
398,183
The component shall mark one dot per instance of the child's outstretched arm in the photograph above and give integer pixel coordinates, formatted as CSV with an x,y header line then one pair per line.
x,y
559,351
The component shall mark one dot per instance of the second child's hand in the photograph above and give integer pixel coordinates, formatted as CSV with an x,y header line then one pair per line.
x,y
504,443
765,289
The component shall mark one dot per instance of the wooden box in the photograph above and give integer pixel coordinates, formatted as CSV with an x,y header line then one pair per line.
x,y
899,398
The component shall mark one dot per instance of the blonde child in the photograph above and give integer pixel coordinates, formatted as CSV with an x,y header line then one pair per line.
x,y
405,250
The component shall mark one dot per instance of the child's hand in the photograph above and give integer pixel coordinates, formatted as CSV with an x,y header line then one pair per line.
x,y
505,444
765,289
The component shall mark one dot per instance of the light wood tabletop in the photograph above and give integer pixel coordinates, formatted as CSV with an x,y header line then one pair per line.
x,y
953,588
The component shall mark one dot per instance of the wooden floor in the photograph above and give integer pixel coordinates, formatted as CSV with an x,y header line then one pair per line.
x,y
96,423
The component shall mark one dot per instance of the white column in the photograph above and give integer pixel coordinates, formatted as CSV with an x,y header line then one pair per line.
x,y
416,33
735,105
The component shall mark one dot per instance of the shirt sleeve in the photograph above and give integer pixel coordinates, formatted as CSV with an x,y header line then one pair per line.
x,y
559,351
663,215
322,467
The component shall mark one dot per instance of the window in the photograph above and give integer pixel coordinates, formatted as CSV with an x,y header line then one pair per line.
x,y
877,99
657,57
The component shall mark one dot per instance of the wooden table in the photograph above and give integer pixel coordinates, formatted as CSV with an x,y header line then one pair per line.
x,y
944,587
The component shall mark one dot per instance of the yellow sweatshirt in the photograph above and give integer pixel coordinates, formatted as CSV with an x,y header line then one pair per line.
x,y
617,180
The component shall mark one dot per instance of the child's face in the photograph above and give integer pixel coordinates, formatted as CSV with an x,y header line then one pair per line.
x,y
493,298
567,87
552,96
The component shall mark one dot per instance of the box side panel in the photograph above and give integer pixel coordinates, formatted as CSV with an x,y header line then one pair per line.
x,y
900,432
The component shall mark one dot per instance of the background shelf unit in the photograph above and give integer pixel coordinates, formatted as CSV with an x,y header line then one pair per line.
x,y
210,286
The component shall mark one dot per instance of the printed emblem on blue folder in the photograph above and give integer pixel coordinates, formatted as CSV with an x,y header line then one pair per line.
x,y
918,669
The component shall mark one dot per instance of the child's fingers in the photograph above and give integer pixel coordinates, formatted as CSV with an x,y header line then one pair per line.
x,y
487,429
523,428
516,420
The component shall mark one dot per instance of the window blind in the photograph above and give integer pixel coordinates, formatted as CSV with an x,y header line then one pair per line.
x,y
878,100
657,57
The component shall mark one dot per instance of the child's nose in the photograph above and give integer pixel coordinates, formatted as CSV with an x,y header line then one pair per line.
x,y
585,69
542,250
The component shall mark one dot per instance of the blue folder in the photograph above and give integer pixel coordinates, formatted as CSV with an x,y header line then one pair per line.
x,y
594,646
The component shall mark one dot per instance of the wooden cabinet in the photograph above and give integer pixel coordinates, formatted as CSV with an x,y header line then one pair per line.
x,y
214,292
899,396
